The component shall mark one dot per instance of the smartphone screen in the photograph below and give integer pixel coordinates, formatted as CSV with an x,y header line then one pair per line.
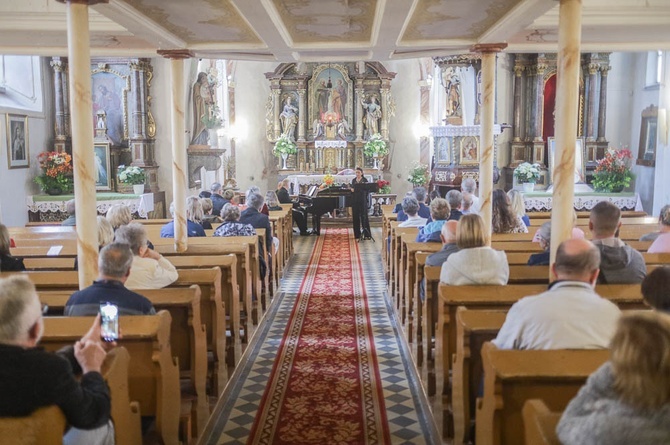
x,y
109,320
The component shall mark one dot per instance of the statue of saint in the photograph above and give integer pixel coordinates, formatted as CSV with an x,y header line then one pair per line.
x,y
202,102
317,129
373,112
289,119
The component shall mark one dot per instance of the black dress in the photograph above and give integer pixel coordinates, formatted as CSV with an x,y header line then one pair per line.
x,y
359,209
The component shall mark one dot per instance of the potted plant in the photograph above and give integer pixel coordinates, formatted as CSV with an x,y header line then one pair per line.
x,y
57,176
133,176
527,174
419,174
612,173
375,147
284,147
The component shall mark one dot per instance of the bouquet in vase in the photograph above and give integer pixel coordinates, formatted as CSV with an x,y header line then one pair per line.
x,y
612,174
384,186
57,176
419,175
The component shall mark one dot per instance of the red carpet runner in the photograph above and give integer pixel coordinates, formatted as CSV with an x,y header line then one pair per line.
x,y
325,385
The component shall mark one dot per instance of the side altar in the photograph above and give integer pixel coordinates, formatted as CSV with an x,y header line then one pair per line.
x,y
329,110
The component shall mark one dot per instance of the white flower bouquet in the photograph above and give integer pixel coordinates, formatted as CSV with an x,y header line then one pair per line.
x,y
131,175
419,174
527,172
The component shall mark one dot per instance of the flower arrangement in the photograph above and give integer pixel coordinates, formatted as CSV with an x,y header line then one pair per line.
x,y
212,118
528,172
57,176
419,174
384,186
328,180
284,146
612,174
375,146
131,175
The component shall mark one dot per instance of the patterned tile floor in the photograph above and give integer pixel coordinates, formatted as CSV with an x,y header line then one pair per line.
x,y
410,420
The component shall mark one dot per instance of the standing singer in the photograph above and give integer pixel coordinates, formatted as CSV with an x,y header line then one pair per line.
x,y
359,206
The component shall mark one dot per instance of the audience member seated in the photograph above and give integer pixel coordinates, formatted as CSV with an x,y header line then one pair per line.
x,y
119,215
298,213
449,246
656,289
627,400
570,314
105,232
466,203
231,225
577,233
398,205
8,263
255,189
518,206
218,201
663,225
205,194
193,214
439,212
33,378
424,211
475,262
114,264
272,201
149,269
253,216
432,195
543,236
619,263
410,207
468,186
455,200
71,219
208,218
662,242
504,220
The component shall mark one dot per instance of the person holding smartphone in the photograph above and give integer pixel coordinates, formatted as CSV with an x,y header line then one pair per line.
x,y
33,378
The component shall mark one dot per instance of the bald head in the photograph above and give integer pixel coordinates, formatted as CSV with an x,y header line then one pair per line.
x,y
448,233
577,260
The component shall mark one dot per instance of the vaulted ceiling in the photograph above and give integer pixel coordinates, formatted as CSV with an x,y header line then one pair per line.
x,y
345,30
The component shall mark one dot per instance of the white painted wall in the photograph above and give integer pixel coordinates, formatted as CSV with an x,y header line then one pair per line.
x,y
661,182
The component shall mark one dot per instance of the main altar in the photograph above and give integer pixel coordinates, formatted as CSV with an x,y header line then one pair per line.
x,y
329,110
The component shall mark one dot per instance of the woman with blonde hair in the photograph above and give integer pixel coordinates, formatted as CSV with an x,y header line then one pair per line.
x,y
518,206
119,215
475,262
627,400
193,217
8,263
208,218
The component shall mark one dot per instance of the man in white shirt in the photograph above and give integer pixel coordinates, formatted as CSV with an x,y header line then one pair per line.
x,y
570,315
468,186
410,205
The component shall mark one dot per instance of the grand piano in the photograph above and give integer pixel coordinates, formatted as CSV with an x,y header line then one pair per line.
x,y
319,202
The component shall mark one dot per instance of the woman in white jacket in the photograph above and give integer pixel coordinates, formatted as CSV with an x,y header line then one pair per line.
x,y
475,262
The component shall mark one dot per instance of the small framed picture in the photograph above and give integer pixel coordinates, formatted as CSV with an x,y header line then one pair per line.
x,y
17,141
102,176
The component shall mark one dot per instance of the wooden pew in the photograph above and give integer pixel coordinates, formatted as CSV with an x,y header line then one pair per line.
x,y
153,379
539,423
409,249
45,426
513,377
187,337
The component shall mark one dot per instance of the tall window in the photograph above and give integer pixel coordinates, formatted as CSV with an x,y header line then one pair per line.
x,y
20,83
654,73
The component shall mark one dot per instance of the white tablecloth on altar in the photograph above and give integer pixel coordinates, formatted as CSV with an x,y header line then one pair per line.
x,y
542,201
142,204
298,180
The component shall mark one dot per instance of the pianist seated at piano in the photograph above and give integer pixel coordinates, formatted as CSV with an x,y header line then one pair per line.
x,y
299,214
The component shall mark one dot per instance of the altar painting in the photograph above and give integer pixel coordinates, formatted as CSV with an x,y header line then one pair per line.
x,y
331,105
108,92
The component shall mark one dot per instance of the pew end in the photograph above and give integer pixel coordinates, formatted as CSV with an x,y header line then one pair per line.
x,y
539,423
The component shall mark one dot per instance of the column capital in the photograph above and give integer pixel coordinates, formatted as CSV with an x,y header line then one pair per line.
x,y
604,70
176,54
83,2
593,68
518,70
488,47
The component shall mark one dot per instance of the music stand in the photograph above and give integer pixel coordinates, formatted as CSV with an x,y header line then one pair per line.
x,y
366,188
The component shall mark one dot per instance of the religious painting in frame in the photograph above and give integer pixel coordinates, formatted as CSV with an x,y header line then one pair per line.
x,y
648,132
109,90
469,150
579,177
102,174
334,104
17,141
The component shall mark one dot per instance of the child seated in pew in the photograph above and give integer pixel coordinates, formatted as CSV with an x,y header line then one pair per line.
x,y
8,263
627,400
656,289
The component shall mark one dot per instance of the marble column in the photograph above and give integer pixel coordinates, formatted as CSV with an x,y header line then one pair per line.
x,y
384,129
61,126
486,157
539,101
79,58
179,157
591,113
302,111
567,102
276,101
602,111
424,119
518,72
359,96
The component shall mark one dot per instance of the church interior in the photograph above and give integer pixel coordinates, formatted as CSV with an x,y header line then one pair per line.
x,y
201,92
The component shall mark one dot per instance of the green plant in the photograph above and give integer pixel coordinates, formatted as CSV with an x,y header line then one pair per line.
x,y
612,174
212,119
419,174
527,172
131,175
284,145
57,174
375,146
